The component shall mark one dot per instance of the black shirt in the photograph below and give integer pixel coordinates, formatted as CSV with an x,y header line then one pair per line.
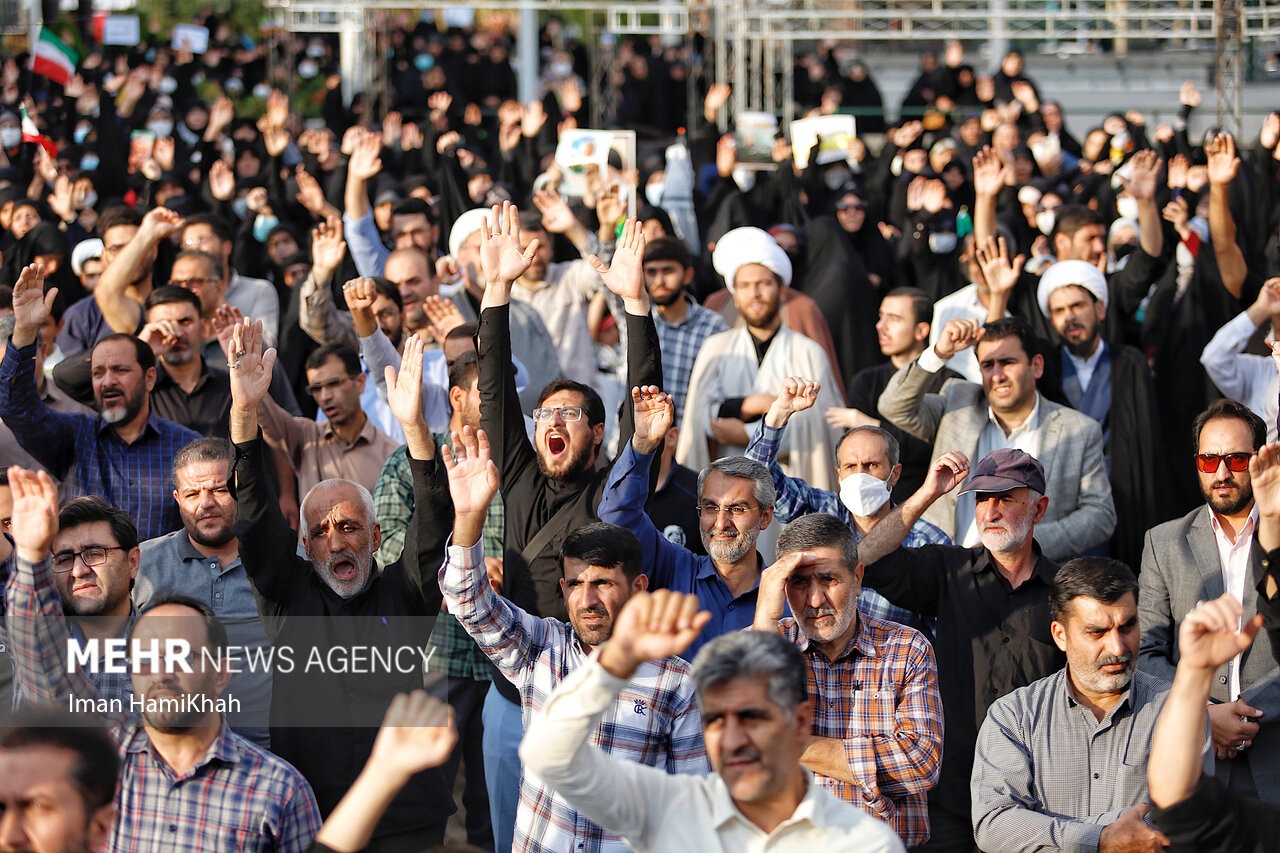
x,y
991,639
673,509
206,409
1215,819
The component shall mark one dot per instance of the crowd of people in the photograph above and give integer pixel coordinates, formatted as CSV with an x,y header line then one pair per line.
x,y
926,497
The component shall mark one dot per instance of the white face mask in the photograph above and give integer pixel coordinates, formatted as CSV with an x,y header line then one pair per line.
x,y
863,494
745,179
942,242
1045,220
10,136
162,128
1127,206
653,193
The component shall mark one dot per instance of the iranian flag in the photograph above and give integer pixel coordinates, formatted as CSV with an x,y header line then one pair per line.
x,y
31,133
53,59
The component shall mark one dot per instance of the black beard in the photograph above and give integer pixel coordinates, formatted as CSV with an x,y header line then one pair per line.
x,y
1085,348
1222,507
670,299
579,463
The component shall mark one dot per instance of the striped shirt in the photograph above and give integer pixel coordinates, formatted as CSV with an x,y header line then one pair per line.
x,y
680,344
237,797
135,477
654,722
880,697
796,498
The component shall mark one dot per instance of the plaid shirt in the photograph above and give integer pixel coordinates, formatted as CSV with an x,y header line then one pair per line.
x,y
655,721
881,698
238,797
796,498
393,506
680,344
136,477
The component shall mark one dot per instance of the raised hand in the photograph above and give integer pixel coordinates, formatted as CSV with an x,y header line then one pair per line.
x,y
392,128
1145,169
946,472
570,94
35,512
162,152
250,367
224,321
1178,167
222,181
473,475
1211,634
220,115
726,155
557,218
360,294
404,392
310,195
31,305
717,96
442,316
652,626
501,258
327,249
609,209
160,336
772,596
1270,134
1001,273
957,335
988,172
535,116
625,276
417,732
62,201
655,412
1223,162
366,159
795,395
1189,95
159,223
1178,215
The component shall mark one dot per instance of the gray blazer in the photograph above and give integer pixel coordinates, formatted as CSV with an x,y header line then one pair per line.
x,y
1080,514
1180,567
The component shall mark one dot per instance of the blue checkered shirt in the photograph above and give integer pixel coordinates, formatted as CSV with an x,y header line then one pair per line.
x,y
680,344
237,797
135,477
654,722
797,498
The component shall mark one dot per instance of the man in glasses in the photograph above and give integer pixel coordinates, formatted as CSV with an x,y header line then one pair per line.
x,y
1210,551
347,445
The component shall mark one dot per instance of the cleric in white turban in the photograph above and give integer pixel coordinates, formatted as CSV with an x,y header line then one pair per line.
x,y
743,246
1067,273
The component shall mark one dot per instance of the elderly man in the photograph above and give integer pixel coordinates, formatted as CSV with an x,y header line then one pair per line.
x,y
757,721
737,373
1211,550
1007,411
122,454
230,786
336,601
868,466
991,602
1100,711
877,720
735,503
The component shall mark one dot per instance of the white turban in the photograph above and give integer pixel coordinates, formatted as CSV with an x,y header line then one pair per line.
x,y
1066,273
466,225
743,246
85,250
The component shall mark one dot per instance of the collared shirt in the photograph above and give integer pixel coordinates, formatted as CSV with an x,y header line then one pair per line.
x,y
11,452
880,698
963,304
1249,378
654,721
1084,366
1236,565
82,326
206,409
680,345
659,812
318,453
795,498
668,565
561,300
171,565
457,655
1048,774
135,477
238,797
991,640
257,298
1025,436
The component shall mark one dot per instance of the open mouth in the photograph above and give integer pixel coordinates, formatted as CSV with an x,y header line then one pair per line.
x,y
112,396
556,445
344,570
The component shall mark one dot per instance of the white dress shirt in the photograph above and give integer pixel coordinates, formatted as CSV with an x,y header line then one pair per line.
x,y
1085,366
1251,379
664,813
1233,559
963,304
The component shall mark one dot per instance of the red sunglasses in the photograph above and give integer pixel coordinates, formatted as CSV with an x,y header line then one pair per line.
x,y
1208,462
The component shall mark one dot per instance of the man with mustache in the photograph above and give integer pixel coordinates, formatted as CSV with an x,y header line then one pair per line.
x,y
188,390
1006,411
877,722
991,602
322,608
654,723
1061,763
1210,551
188,783
124,454
735,503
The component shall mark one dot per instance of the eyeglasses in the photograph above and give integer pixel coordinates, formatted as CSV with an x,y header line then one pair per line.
x,y
317,387
567,413
851,206
1209,462
189,283
91,557
709,510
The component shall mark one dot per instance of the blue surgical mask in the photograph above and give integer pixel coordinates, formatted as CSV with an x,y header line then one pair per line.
x,y
262,226
424,62
89,162
81,133
240,207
